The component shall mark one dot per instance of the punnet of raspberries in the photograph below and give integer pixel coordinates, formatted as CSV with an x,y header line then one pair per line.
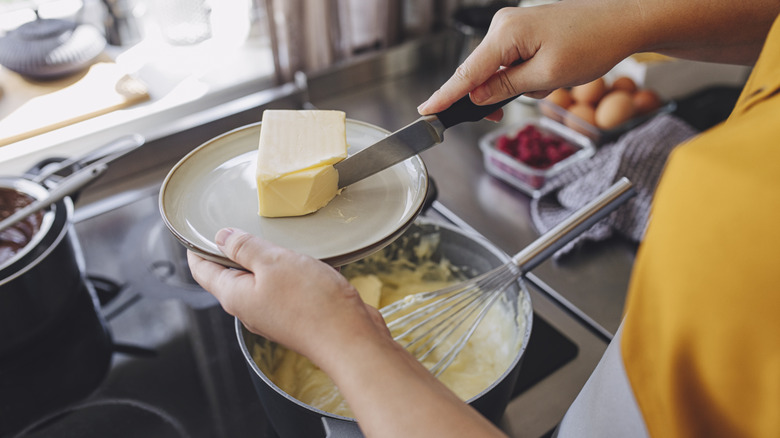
x,y
535,148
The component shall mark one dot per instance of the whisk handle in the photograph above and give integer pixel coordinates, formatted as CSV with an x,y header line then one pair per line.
x,y
558,236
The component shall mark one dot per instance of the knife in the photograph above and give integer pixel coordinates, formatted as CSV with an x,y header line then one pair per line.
x,y
411,140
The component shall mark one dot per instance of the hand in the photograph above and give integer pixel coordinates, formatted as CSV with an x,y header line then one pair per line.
x,y
309,307
535,50
287,297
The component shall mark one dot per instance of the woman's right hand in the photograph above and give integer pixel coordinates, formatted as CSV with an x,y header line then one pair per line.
x,y
534,50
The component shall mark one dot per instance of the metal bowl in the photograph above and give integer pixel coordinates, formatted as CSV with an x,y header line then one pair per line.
x,y
38,284
291,417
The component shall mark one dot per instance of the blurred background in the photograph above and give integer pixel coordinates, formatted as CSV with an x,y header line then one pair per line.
x,y
94,57
297,35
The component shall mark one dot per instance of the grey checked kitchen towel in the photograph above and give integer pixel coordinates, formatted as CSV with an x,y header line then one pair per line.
x,y
639,155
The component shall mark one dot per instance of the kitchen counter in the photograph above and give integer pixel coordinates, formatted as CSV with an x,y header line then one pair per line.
x,y
185,84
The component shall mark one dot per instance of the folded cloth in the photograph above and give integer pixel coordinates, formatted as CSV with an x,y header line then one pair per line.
x,y
639,155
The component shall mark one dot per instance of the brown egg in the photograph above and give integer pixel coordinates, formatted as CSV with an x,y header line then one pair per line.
x,y
614,109
560,98
589,93
624,83
646,101
582,118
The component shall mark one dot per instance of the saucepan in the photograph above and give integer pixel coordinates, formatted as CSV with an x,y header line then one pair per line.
x,y
469,252
55,346
39,267
39,271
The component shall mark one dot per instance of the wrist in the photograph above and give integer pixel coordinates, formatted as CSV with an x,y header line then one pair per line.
x,y
347,353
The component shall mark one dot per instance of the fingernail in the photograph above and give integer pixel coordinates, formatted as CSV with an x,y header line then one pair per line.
x,y
222,236
480,94
421,108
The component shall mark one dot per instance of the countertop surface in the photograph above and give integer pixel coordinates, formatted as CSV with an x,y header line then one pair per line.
x,y
180,81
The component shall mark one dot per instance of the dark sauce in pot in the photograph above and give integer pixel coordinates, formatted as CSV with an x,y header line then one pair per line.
x,y
16,237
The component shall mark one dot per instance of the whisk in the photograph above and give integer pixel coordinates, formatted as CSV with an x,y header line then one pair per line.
x,y
447,318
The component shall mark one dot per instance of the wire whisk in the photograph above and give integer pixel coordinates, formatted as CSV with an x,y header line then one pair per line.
x,y
437,325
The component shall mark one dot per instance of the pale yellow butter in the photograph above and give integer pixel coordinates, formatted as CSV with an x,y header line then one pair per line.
x,y
369,287
296,154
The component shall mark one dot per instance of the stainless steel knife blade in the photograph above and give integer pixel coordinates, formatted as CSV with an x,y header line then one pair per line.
x,y
398,146
411,140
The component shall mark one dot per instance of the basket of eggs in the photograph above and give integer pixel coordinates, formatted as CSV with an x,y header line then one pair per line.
x,y
603,110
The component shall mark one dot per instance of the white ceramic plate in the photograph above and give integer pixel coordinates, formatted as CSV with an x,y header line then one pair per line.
x,y
214,187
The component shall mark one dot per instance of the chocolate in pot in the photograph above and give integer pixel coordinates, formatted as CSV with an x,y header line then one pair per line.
x,y
16,237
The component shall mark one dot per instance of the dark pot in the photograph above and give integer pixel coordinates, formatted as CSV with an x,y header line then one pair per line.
x,y
55,347
292,418
40,281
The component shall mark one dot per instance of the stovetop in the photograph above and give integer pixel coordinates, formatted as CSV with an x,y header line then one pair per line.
x,y
176,369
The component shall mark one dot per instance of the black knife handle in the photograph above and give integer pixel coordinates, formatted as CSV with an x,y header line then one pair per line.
x,y
465,110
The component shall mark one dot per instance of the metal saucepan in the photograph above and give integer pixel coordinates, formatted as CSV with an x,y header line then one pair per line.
x,y
37,282
39,267
55,346
292,418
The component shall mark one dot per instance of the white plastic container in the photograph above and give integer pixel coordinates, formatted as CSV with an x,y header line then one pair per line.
x,y
528,179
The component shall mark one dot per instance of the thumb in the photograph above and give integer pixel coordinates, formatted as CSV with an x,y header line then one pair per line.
x,y
247,250
217,279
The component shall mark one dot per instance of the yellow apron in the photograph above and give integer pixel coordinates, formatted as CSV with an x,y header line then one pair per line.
x,y
701,336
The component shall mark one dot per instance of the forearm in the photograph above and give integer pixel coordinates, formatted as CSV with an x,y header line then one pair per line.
x,y
393,395
706,30
390,392
572,42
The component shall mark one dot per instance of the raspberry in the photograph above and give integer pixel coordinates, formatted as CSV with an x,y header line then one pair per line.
x,y
535,148
504,144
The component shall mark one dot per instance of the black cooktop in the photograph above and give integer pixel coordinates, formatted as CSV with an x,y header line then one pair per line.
x,y
176,369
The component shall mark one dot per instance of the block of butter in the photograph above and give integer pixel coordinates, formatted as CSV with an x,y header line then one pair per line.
x,y
297,151
369,287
